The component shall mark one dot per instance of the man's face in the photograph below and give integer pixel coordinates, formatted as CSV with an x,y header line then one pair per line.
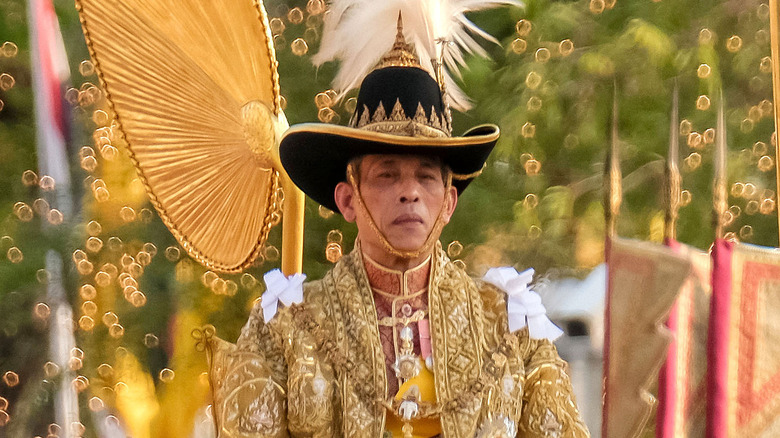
x,y
404,195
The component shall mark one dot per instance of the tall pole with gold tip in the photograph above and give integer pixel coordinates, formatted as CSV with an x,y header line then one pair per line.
x,y
613,178
672,171
774,30
612,197
719,182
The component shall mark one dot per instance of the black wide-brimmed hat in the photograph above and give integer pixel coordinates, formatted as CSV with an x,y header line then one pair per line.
x,y
400,110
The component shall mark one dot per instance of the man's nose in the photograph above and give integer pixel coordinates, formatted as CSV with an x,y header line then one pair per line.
x,y
409,190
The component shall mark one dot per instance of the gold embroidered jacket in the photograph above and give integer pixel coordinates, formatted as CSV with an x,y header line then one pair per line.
x,y
318,369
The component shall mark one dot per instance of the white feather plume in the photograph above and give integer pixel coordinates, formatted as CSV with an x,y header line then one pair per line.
x,y
359,32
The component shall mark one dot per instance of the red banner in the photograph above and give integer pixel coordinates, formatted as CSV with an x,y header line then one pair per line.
x,y
643,282
682,380
743,392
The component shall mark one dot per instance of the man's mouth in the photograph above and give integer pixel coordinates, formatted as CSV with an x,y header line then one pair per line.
x,y
406,219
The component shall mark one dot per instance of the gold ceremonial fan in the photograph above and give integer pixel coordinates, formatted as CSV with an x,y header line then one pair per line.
x,y
195,90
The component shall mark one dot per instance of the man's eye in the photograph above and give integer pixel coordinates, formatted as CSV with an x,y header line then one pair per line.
x,y
384,176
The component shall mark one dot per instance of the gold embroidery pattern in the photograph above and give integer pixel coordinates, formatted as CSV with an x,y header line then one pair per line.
x,y
311,390
364,344
509,371
315,400
457,346
257,338
398,123
550,409
247,400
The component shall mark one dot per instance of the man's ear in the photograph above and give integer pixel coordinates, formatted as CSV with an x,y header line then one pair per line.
x,y
451,201
344,197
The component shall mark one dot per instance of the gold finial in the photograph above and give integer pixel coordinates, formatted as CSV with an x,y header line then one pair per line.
x,y
613,182
673,178
402,54
720,197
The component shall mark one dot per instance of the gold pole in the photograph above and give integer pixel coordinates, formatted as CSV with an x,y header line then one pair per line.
x,y
719,191
774,31
672,171
293,208
613,178
292,227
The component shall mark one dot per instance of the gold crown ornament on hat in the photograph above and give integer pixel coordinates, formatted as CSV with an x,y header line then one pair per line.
x,y
195,91
397,121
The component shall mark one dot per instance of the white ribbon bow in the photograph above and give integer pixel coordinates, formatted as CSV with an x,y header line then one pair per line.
x,y
288,290
524,306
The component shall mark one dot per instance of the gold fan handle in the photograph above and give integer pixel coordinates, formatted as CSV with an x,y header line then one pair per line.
x,y
261,131
292,227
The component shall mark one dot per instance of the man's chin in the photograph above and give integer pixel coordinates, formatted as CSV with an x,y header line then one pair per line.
x,y
408,245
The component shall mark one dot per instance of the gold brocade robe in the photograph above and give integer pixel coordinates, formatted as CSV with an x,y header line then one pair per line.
x,y
318,369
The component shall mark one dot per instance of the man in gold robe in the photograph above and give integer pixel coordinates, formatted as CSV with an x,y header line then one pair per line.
x,y
396,340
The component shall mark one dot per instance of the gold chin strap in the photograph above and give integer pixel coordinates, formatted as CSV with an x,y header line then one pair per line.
x,y
432,235
465,176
